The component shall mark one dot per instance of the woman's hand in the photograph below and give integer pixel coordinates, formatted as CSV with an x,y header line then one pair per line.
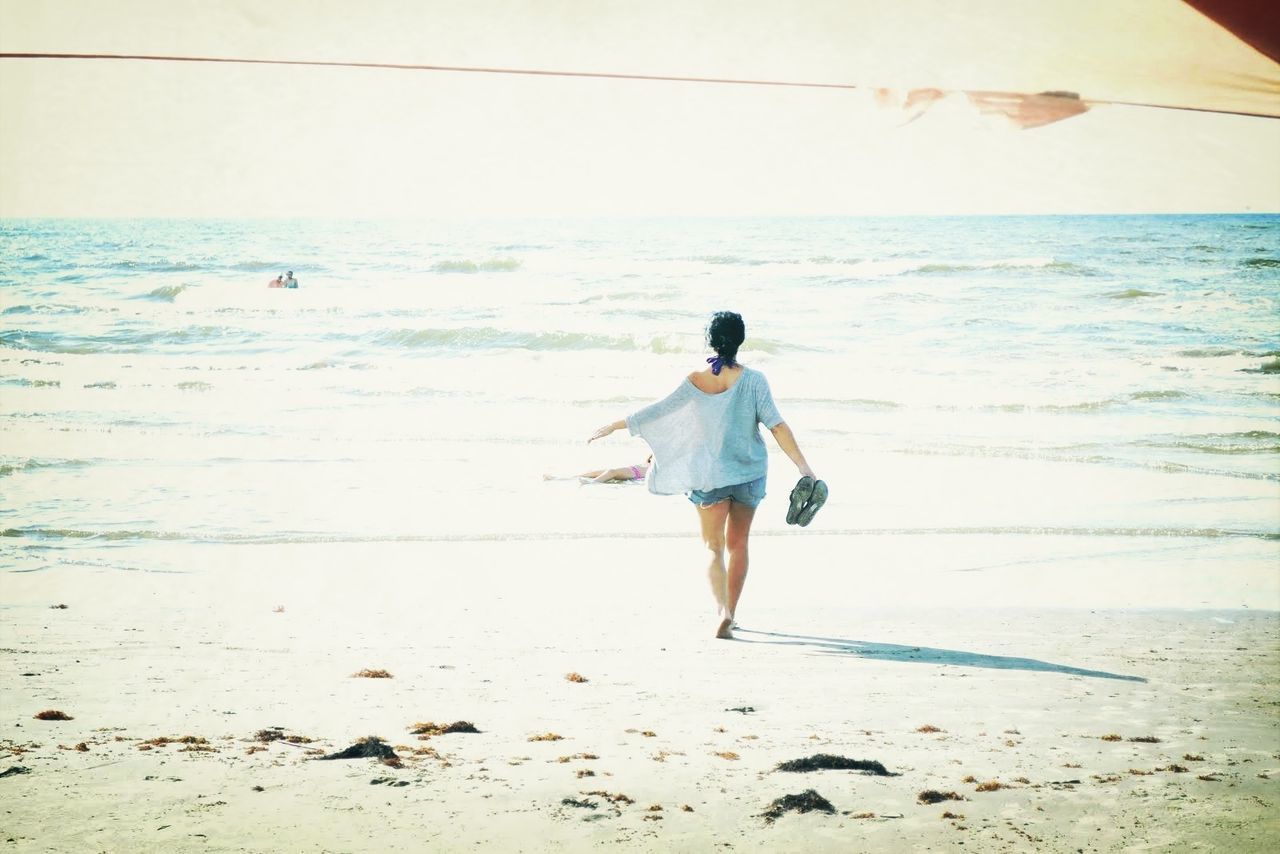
x,y
606,430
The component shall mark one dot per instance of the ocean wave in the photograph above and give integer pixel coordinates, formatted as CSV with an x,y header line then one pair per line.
x,y
1089,405
164,293
1272,367
858,402
731,260
165,266
257,267
857,266
44,308
1210,352
1055,456
123,341
943,268
1132,293
11,468
1167,394
1083,406
193,385
488,265
486,338
618,296
24,382
1261,262
1229,444
305,538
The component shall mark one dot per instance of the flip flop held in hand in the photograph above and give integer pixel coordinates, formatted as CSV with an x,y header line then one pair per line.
x,y
807,498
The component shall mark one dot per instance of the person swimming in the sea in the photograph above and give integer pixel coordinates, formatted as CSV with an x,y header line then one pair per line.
x,y
624,474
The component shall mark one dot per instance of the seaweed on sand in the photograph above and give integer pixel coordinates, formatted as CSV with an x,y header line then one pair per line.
x,y
52,715
933,796
428,729
368,747
612,797
830,762
276,733
161,741
806,801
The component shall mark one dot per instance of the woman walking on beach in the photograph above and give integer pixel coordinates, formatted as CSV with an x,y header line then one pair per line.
x,y
706,444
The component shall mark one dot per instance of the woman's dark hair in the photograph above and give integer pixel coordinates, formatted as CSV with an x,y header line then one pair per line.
x,y
725,334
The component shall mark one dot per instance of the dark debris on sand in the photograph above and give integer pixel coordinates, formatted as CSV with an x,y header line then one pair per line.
x,y
14,770
366,748
806,801
830,762
574,802
933,796
276,733
53,715
429,728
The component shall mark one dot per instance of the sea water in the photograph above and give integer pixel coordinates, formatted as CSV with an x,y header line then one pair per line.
x,y
1103,376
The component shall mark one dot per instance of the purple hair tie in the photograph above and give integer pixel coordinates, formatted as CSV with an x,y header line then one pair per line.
x,y
717,363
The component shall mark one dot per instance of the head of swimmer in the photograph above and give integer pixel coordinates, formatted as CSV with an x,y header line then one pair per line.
x,y
725,334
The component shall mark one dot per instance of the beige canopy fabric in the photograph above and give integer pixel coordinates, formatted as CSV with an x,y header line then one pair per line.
x,y
1034,61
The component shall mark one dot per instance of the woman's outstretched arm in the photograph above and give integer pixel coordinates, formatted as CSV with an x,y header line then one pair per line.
x,y
787,442
607,429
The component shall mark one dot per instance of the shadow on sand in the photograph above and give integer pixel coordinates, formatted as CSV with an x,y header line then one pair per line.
x,y
922,654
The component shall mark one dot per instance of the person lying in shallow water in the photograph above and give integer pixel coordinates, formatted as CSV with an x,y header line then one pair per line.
x,y
619,475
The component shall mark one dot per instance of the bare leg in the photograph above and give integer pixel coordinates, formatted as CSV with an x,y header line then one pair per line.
x,y
712,520
737,531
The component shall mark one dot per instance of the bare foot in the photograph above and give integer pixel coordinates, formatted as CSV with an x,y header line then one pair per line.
x,y
725,632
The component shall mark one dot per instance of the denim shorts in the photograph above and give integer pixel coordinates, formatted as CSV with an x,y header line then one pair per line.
x,y
750,494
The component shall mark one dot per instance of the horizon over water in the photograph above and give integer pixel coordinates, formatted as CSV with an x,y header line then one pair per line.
x,y
1105,376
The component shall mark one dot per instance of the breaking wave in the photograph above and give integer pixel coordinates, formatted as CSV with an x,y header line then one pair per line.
x,y
11,468
1132,293
53,534
488,265
490,338
122,341
164,293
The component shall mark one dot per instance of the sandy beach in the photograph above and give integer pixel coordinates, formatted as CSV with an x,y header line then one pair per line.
x,y
1137,713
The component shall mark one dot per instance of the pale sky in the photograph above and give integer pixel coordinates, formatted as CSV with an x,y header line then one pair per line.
x,y
119,138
